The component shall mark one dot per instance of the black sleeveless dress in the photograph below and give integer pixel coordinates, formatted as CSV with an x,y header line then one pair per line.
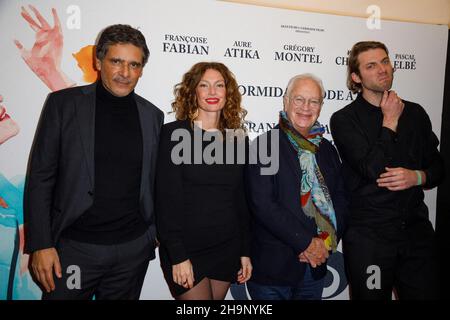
x,y
201,208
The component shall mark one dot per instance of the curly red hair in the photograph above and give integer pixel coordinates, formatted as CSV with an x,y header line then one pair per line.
x,y
185,104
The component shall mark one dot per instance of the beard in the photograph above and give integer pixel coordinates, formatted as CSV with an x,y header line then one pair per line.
x,y
379,86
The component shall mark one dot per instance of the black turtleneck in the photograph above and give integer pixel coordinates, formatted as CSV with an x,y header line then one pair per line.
x,y
114,216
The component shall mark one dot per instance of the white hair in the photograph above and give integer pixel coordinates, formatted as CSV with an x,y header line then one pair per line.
x,y
302,77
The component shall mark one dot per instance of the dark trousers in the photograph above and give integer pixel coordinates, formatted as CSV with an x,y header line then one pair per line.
x,y
308,289
400,257
106,272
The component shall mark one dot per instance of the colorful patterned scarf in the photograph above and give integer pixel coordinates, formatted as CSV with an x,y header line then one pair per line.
x,y
314,195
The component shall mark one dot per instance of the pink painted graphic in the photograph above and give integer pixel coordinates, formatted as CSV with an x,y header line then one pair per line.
x,y
44,58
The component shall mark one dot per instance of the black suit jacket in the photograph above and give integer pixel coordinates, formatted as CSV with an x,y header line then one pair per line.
x,y
280,229
60,180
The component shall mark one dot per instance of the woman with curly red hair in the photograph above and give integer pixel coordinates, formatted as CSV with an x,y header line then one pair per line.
x,y
201,209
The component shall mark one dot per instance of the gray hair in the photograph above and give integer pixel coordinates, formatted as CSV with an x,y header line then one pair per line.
x,y
121,34
304,76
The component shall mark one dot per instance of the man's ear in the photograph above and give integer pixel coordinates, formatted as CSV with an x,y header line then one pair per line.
x,y
98,64
285,102
355,77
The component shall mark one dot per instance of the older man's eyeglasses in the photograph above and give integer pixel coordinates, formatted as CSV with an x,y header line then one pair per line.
x,y
299,101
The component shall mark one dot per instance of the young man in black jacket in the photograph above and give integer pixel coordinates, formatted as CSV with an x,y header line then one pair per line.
x,y
389,153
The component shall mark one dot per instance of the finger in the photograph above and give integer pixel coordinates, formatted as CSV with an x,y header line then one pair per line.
x,y
393,169
192,273
185,279
247,270
395,179
240,272
190,282
244,279
244,272
394,188
393,176
30,20
58,269
58,26
389,178
23,52
318,259
391,181
41,19
249,273
43,280
246,276
393,95
302,257
175,278
49,278
384,98
386,180
389,185
18,44
397,188
386,175
311,259
36,273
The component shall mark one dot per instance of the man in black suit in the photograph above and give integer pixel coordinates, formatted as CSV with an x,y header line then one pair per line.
x,y
88,202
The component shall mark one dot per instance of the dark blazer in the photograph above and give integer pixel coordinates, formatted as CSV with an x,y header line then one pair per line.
x,y
280,229
60,180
